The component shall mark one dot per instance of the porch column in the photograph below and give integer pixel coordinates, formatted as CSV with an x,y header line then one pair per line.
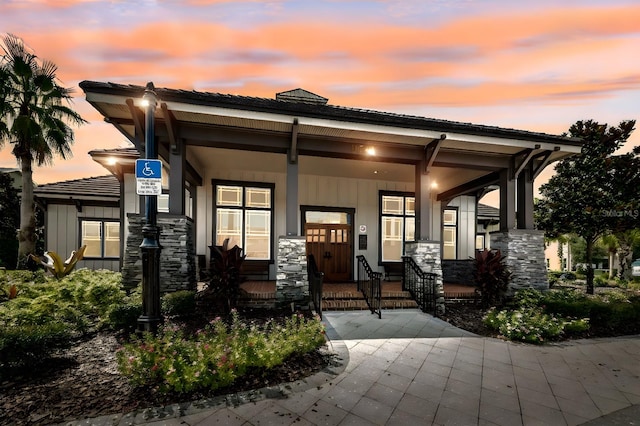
x,y
507,200
525,200
423,203
178,163
292,197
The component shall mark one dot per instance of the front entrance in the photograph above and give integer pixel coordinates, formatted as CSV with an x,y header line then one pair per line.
x,y
332,248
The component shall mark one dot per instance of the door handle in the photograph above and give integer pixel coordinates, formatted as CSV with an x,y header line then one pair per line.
x,y
327,255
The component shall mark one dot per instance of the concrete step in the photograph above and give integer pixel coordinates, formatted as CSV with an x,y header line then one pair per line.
x,y
361,305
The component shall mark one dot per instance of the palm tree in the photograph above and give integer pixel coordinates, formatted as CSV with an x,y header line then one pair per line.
x,y
610,242
33,118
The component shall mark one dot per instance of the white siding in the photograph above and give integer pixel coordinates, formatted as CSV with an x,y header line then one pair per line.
x,y
62,231
466,205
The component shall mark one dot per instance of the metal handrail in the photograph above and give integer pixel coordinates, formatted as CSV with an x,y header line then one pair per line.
x,y
369,283
421,285
315,284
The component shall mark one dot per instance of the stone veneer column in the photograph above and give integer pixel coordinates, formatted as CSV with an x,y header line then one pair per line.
x,y
524,253
427,255
177,257
292,283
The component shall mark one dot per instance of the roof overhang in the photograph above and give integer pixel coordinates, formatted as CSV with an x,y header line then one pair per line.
x,y
269,125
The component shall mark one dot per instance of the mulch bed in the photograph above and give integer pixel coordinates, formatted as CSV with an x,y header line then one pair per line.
x,y
83,382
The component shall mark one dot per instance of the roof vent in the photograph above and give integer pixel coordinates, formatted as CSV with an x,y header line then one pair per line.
x,y
301,96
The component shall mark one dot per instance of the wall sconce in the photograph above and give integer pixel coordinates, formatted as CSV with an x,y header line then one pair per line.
x,y
434,185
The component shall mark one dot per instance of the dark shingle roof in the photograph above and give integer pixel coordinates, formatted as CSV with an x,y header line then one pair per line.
x,y
488,211
322,111
101,186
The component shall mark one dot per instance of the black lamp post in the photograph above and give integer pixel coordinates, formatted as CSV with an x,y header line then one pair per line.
x,y
150,247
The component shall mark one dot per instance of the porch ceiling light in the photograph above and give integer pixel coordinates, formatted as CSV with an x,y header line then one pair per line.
x,y
112,161
370,150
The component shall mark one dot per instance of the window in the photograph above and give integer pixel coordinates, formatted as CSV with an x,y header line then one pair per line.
x,y
480,242
102,238
397,224
449,233
244,214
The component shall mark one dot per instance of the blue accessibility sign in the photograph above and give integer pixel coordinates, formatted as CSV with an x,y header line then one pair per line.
x,y
149,169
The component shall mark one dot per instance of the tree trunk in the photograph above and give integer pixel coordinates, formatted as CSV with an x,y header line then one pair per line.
x,y
589,259
27,233
625,256
612,257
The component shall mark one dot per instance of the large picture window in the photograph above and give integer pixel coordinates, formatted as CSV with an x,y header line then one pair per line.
x,y
244,215
397,224
102,238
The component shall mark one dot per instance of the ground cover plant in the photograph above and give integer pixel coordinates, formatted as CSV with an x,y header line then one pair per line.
x,y
44,314
73,334
218,354
537,317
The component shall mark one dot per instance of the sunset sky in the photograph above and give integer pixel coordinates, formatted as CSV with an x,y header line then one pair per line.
x,y
532,65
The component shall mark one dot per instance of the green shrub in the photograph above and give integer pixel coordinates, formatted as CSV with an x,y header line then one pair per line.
x,y
124,315
528,297
217,355
29,344
79,301
532,325
601,281
179,304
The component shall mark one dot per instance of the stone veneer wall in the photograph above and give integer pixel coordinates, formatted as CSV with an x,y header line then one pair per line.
x,y
177,256
427,255
292,284
524,252
458,271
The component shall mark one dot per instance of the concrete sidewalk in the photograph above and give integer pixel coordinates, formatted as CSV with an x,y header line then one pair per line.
x,y
410,368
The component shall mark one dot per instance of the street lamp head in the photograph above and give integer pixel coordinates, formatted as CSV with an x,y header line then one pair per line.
x,y
149,98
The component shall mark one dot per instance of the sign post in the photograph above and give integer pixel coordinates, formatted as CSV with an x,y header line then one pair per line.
x,y
149,184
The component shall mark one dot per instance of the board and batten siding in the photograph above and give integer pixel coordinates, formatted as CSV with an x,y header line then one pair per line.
x,y
466,206
62,233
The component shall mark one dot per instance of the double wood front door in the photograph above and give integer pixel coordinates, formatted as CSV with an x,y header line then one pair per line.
x,y
332,248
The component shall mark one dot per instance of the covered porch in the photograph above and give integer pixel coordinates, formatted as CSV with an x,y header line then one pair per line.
x,y
255,168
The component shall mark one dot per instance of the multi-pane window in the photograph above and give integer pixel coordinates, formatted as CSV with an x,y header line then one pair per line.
x,y
449,233
397,225
244,215
102,238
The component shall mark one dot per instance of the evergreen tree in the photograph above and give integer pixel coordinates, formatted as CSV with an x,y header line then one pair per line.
x,y
593,193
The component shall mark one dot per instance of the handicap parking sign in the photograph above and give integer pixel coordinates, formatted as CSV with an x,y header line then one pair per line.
x,y
149,169
148,177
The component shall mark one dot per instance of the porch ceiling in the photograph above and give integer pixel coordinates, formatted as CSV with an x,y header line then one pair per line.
x,y
444,177
336,138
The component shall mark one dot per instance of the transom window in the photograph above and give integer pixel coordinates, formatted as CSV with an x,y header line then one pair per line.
x,y
397,224
244,215
102,238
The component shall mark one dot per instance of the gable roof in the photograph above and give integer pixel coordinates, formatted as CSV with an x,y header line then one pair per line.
x,y
105,187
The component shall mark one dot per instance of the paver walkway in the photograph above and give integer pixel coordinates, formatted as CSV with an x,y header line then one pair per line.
x,y
409,368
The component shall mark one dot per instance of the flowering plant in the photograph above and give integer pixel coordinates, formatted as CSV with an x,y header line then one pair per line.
x,y
218,354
